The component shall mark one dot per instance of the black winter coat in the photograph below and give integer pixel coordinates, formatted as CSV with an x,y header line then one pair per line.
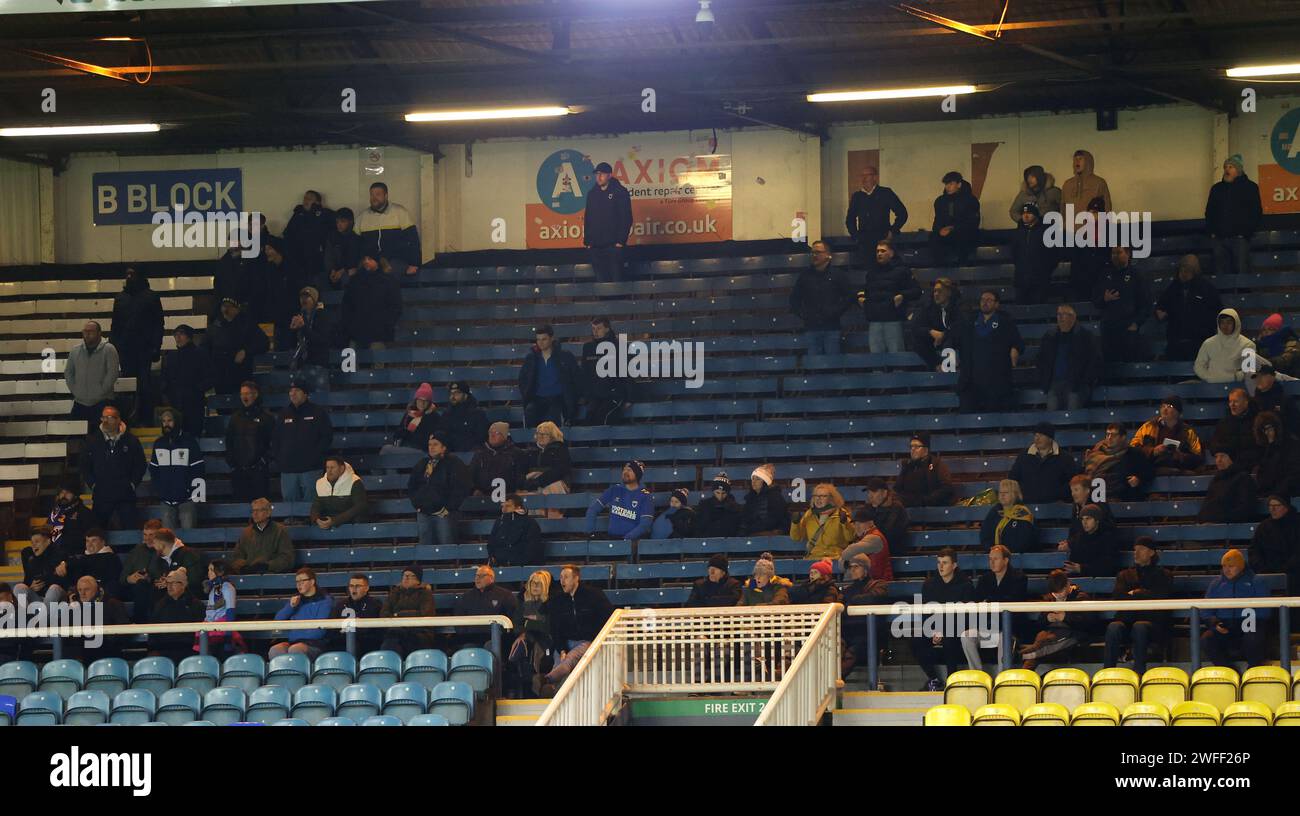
x,y
1150,583
137,324
1279,468
515,540
372,305
311,344
1083,358
305,236
820,299
1034,261
1014,586
226,339
551,462
576,617
868,216
302,438
595,387
708,593
1044,478
1134,304
489,464
960,211
186,377
985,351
608,219
243,280
924,483
715,518
1233,209
1192,311
1276,548
466,425
342,251
248,437
1096,553
417,439
1018,536
1237,435
882,284
1230,497
764,510
433,489
112,471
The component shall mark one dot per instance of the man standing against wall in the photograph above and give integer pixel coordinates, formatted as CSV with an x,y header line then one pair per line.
x,y
870,208
607,223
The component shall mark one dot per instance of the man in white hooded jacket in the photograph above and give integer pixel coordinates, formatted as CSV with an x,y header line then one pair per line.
x,y
340,496
1220,359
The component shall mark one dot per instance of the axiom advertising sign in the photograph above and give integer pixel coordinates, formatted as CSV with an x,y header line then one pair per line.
x,y
1279,183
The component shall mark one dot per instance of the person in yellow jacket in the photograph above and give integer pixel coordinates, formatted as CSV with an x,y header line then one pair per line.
x,y
826,526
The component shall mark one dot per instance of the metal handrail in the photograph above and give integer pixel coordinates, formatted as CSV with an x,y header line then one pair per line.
x,y
808,686
602,687
255,626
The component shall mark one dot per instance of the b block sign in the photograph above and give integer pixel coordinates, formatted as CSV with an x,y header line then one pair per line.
x,y
132,196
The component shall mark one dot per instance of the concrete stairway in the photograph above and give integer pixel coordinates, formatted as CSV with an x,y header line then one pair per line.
x,y
519,712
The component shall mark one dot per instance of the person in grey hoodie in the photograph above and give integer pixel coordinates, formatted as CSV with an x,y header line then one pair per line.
x,y
1038,188
90,373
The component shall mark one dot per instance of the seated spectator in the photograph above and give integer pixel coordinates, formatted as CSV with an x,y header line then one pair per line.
x,y
820,297
826,525
1095,550
248,445
547,467
1235,433
948,584
1038,188
530,653
41,580
955,231
604,396
891,515
1169,445
113,465
631,507
177,605
764,588
498,463
678,521
862,589
69,518
1122,296
719,514
465,424
1125,470
308,603
174,465
820,586
1033,259
486,598
1220,359
516,538
233,341
1278,470
220,592
97,560
938,324
135,569
342,252
300,441
1001,583
372,305
1188,308
1233,213
990,348
1061,631
1277,343
169,553
1069,362
889,287
870,541
1229,630
717,588
549,381
112,613
186,378
1044,470
437,488
1231,495
1275,546
1269,396
1146,580
264,545
923,478
340,496
359,603
418,423
1009,522
764,511
576,614
1080,497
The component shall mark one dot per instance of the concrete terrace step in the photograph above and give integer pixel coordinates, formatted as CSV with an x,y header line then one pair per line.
x,y
512,708
879,717
862,700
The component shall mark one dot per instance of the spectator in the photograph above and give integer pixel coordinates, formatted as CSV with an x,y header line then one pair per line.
x,y
1221,357
1275,546
1233,213
718,515
1167,443
1080,486
241,279
530,653
764,511
990,349
1002,583
174,466
764,588
41,580
1038,188
285,282
69,518
1069,362
948,584
361,604
546,465
301,439
342,249
939,324
95,559
372,305
176,606
819,588
387,230
891,515
264,545
1278,345
678,521
171,553
956,222
486,598
1188,308
717,588
549,381
870,210
248,445
186,377
498,463
220,607
826,526
1088,262
308,603
463,421
137,336
607,223
1279,457
340,496
1125,470
313,333
1235,433
1062,631
1228,630
516,538
437,487
1009,522
605,395
1124,300
863,590
233,342
923,478
307,232
820,297
1080,189
418,423
889,287
135,569
1095,551
1043,471
112,613
1269,396
1146,580
577,614
112,464
870,541
631,507
1231,495
1034,260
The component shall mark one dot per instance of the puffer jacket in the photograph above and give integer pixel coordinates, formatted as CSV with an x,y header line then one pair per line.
x,y
820,298
343,502
836,532
248,436
1220,360
1233,209
961,211
1046,196
882,285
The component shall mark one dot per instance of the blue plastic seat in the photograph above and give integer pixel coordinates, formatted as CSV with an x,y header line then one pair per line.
x,y
428,667
289,670
383,720
63,677
18,678
334,669
134,706
86,708
41,708
359,701
202,673
406,700
314,703
380,668
472,667
155,674
337,721
244,671
224,705
110,675
268,703
291,722
453,700
8,709
428,719
179,706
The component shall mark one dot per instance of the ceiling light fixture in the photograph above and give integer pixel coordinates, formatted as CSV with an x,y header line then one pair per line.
x,y
891,93
80,130
495,113
1264,70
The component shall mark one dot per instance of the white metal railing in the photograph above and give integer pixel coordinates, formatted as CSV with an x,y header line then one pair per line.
x,y
86,628
593,691
808,688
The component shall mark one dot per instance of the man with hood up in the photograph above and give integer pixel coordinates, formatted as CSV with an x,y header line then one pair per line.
x,y
607,223
1038,188
1084,185
1220,359
956,222
1188,308
137,335
1233,213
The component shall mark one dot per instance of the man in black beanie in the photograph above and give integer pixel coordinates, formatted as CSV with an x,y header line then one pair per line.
x,y
718,588
410,599
607,223
1044,470
956,222
1146,580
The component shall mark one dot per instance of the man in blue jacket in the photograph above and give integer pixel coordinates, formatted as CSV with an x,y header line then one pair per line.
x,y
176,462
631,507
1242,629
607,223
549,382
309,603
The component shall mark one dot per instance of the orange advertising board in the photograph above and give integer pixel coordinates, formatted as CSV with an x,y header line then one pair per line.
x,y
1279,191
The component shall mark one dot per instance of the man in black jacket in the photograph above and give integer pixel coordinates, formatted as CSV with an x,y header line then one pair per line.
x,y
1276,545
359,603
576,614
301,439
1122,296
889,287
956,228
820,296
947,584
313,333
306,232
497,464
938,324
437,487
486,598
1034,259
548,382
1189,308
1146,580
607,223
1230,498
891,514
1235,433
248,445
97,560
604,397
112,465
1069,362
1233,213
990,348
69,519
516,538
1001,583
870,208
233,342
342,249
186,378
464,423
1044,470
137,336
718,588
372,305
177,606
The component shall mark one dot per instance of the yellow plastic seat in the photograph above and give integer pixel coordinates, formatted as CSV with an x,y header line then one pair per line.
x,y
1119,687
1194,712
1287,714
1145,714
1045,714
1069,687
1017,687
1266,684
947,715
1216,685
969,689
996,714
1166,685
1095,713
1248,712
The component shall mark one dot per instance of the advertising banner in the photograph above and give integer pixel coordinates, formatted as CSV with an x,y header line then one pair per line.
x,y
133,196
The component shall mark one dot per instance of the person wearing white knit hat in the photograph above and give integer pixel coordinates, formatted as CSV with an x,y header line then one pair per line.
x,y
765,511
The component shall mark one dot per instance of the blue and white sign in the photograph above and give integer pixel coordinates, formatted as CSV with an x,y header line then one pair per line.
x,y
563,180
133,196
